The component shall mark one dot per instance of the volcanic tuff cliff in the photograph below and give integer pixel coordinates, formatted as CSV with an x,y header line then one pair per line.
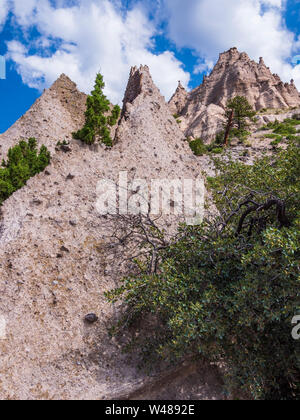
x,y
53,116
235,74
58,255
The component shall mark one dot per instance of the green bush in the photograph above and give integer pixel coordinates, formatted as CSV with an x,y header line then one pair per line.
x,y
228,289
286,128
63,143
219,141
242,134
97,124
198,147
23,162
294,139
217,150
276,142
273,136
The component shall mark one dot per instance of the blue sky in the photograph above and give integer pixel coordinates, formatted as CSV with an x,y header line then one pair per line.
x,y
178,39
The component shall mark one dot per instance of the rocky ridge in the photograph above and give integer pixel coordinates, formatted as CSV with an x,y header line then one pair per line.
x,y
235,74
57,256
53,116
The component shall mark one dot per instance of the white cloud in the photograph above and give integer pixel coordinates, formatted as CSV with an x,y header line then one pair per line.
x,y
203,66
81,37
273,3
255,26
3,11
24,10
89,36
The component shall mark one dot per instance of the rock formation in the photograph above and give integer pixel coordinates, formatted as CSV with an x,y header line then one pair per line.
x,y
52,118
57,255
233,75
178,100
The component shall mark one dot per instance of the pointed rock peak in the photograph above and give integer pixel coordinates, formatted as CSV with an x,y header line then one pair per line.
x,y
244,56
140,81
145,114
74,101
63,82
232,51
231,54
180,86
235,74
64,77
261,61
178,100
276,77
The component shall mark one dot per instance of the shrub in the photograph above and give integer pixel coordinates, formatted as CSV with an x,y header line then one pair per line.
x,y
291,137
273,136
286,128
220,137
23,162
217,150
276,142
63,143
242,135
198,147
229,288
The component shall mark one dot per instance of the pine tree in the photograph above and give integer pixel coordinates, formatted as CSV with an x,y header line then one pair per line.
x,y
241,110
97,122
23,162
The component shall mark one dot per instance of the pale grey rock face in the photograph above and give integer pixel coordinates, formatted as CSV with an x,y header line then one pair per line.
x,y
208,121
235,74
57,259
57,256
53,116
178,100
273,116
